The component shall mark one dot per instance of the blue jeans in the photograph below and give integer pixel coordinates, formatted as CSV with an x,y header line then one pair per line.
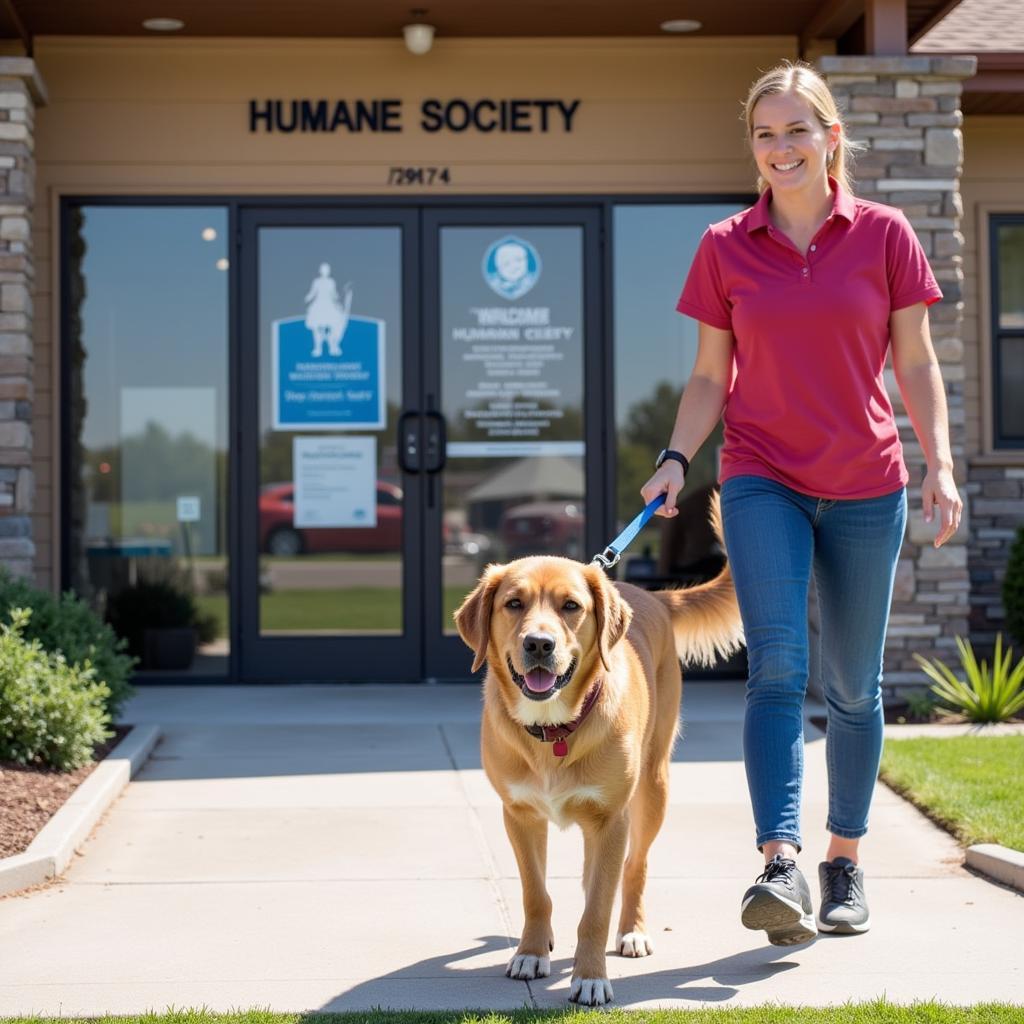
x,y
775,536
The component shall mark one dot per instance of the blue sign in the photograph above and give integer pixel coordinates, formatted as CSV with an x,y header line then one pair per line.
x,y
341,388
511,266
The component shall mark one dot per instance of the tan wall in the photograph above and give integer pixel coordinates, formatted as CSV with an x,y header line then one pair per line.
x,y
172,117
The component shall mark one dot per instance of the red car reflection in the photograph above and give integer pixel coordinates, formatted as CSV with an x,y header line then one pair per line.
x,y
543,528
279,535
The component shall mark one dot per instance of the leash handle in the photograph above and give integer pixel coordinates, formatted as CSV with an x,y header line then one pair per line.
x,y
611,554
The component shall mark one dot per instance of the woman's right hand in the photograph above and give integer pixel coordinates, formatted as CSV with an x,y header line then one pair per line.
x,y
669,479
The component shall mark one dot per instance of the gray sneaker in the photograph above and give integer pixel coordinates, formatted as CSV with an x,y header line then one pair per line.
x,y
780,903
844,908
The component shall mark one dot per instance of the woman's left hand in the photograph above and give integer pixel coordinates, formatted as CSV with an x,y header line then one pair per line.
x,y
939,489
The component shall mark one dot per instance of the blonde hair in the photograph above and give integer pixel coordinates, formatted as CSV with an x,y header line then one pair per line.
x,y
800,78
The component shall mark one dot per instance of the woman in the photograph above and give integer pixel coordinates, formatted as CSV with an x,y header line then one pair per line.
x,y
798,299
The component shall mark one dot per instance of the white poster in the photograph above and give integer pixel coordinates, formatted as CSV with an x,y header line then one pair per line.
x,y
335,481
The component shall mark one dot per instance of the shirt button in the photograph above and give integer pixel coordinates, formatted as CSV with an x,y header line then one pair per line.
x,y
805,270
814,248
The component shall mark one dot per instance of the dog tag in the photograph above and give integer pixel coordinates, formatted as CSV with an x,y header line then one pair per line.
x,y
560,748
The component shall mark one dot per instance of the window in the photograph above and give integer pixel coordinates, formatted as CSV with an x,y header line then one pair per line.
x,y
655,349
146,429
1007,259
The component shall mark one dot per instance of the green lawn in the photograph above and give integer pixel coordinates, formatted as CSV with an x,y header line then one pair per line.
x,y
851,1013
971,785
361,608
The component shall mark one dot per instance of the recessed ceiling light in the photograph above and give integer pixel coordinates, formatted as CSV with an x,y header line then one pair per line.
x,y
222,264
163,24
681,25
209,234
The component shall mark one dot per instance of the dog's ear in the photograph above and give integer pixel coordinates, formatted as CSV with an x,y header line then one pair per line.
x,y
613,614
473,619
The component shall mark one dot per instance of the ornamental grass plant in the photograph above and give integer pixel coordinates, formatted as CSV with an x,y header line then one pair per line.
x,y
984,694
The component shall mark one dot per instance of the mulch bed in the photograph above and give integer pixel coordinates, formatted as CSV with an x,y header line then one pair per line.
x,y
29,796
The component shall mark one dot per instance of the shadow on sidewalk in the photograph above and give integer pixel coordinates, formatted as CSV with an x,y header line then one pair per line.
x,y
675,983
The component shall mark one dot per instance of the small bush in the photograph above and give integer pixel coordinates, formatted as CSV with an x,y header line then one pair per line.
x,y
920,706
154,604
1013,588
983,695
52,713
67,625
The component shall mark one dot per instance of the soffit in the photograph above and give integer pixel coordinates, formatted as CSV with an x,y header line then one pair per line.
x,y
455,18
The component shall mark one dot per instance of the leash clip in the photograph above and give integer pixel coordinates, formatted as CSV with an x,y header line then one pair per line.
x,y
607,559
611,554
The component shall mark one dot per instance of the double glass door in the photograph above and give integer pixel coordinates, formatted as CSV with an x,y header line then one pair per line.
x,y
419,394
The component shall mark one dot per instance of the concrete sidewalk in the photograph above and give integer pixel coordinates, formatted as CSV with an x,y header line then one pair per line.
x,y
330,848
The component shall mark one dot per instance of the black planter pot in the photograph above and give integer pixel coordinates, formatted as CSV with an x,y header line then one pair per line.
x,y
169,647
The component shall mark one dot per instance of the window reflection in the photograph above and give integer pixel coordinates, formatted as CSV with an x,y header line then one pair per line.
x,y
148,420
1011,276
512,394
655,349
330,310
1008,333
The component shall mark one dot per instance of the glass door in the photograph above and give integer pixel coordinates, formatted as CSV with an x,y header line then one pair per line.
x,y
329,506
514,378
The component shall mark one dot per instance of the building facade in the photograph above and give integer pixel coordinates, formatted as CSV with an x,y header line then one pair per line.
x,y
313,328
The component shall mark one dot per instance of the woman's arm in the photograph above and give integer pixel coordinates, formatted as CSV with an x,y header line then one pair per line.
x,y
920,383
700,408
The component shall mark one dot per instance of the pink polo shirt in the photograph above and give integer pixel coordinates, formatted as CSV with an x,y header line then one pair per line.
x,y
808,405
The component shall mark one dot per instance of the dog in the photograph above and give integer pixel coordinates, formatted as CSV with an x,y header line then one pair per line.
x,y
580,715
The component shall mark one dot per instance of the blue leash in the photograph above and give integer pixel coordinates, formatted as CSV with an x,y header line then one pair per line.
x,y
611,554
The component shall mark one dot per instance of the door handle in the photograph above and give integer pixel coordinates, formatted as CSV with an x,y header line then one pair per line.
x,y
409,442
436,443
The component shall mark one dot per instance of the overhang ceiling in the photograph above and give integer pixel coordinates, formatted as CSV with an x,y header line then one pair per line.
x,y
839,20
368,18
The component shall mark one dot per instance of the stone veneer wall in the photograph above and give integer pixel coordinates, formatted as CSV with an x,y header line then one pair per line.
x,y
21,91
908,111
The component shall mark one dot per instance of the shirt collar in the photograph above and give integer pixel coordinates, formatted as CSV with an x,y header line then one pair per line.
x,y
842,206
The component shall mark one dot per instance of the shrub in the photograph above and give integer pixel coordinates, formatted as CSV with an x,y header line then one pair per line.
x,y
920,706
983,696
67,625
155,604
52,712
1013,588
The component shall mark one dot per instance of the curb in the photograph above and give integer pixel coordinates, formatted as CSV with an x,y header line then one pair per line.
x,y
939,731
998,862
49,854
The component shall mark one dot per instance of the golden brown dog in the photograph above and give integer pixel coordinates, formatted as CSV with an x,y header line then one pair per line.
x,y
581,709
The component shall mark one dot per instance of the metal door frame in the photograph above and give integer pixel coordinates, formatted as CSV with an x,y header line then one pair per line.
x,y
312,658
446,657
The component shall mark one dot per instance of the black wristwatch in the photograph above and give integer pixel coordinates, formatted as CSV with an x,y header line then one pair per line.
x,y
668,453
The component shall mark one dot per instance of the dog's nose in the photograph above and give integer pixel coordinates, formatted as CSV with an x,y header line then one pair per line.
x,y
540,645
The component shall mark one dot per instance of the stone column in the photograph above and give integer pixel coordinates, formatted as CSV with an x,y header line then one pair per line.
x,y
907,109
21,91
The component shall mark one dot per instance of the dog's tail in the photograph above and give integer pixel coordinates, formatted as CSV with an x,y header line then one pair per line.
x,y
706,618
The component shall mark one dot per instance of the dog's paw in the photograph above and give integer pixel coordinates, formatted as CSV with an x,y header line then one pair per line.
x,y
634,944
527,967
591,991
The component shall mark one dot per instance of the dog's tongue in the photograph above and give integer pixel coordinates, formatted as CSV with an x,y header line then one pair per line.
x,y
539,680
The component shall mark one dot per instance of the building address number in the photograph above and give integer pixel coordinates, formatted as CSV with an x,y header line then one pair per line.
x,y
419,176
